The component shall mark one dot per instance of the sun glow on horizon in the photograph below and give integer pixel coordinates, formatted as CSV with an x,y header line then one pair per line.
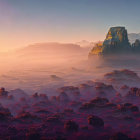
x,y
28,22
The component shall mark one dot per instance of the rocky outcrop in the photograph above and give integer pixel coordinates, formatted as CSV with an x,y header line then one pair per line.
x,y
116,36
136,46
97,49
116,42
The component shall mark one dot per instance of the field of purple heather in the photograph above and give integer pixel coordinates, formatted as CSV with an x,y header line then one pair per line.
x,y
105,109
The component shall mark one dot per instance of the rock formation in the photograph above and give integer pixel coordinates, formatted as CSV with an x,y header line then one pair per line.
x,y
116,42
136,46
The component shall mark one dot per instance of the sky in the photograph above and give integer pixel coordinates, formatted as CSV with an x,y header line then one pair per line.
x,y
24,22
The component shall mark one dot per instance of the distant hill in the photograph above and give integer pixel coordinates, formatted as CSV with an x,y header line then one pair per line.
x,y
133,36
53,49
85,43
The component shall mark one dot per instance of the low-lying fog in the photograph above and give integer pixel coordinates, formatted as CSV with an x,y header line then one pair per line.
x,y
43,68
68,95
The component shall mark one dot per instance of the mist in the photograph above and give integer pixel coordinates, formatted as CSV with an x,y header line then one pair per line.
x,y
31,68
45,67
50,85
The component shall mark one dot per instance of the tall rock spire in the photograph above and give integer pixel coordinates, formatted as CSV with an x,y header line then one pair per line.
x,y
116,42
